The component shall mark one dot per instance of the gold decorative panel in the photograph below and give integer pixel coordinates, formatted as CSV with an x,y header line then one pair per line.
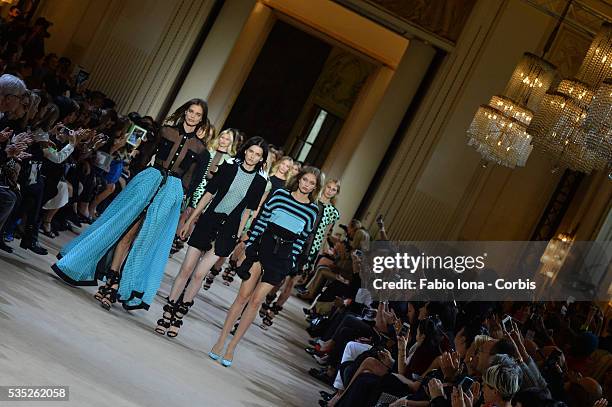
x,y
444,18
340,82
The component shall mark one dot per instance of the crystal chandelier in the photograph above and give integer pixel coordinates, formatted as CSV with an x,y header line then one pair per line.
x,y
499,130
561,129
598,127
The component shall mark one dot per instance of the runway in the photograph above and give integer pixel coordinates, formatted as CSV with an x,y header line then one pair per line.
x,y
55,334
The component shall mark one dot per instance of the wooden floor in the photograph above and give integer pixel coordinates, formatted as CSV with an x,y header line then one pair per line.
x,y
54,334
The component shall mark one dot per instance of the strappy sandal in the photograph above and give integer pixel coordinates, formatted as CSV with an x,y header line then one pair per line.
x,y
111,275
276,308
177,245
167,317
229,273
180,310
235,328
266,323
210,278
110,296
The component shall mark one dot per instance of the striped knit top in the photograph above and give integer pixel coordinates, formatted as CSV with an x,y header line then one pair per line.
x,y
285,211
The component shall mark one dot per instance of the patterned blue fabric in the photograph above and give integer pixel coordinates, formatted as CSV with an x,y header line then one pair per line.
x,y
144,266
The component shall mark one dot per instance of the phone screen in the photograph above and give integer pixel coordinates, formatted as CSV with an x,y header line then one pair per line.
x,y
466,383
507,323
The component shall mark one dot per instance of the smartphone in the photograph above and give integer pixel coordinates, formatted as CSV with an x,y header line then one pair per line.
x,y
466,383
405,328
507,323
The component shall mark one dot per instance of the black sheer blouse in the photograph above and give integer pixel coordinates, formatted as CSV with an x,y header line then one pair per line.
x,y
182,153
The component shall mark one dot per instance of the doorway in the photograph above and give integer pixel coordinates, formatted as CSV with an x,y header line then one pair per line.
x,y
279,84
299,93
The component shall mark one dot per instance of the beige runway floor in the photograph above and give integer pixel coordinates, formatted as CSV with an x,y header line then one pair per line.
x,y
54,334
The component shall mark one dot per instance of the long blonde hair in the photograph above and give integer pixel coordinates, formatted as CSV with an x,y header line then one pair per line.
x,y
277,164
334,199
213,143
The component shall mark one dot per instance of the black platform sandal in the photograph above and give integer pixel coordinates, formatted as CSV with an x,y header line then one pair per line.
x,y
111,275
177,245
180,310
109,299
276,308
229,273
210,278
167,317
266,322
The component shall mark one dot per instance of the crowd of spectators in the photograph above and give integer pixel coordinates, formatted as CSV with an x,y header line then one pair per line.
x,y
438,354
63,148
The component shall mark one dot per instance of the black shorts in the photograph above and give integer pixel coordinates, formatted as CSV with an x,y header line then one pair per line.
x,y
274,252
214,227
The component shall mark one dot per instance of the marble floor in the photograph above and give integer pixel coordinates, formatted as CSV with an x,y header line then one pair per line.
x,y
55,334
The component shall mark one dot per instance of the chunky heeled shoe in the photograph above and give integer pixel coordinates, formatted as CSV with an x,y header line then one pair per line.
x,y
109,298
112,277
180,310
229,273
167,318
266,323
275,308
110,292
177,245
210,278
263,311
265,306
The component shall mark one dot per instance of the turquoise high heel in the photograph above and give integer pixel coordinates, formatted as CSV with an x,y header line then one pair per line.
x,y
226,362
213,356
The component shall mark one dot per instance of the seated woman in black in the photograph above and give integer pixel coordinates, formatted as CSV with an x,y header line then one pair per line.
x,y
235,190
411,364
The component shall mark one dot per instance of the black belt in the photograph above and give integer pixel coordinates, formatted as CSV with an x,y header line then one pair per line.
x,y
281,236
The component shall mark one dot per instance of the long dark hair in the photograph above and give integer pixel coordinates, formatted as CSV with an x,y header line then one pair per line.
x,y
431,328
254,141
294,182
178,117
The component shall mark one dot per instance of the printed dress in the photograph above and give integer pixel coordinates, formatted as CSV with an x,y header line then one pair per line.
x,y
329,217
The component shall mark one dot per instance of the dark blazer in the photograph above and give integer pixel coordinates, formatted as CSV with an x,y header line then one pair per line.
x,y
219,186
